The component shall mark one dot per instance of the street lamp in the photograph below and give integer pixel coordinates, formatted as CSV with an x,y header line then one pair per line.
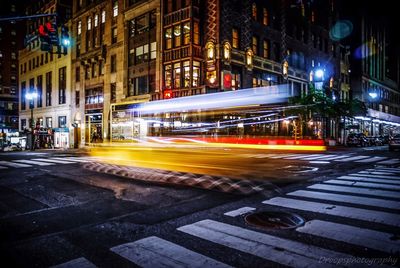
x,y
31,96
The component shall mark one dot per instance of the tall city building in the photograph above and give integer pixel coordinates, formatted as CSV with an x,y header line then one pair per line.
x,y
45,94
11,40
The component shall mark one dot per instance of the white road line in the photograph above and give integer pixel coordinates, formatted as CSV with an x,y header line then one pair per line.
x,y
1,167
33,162
352,235
341,211
12,164
352,158
79,262
368,201
282,156
355,190
156,252
376,172
365,184
53,161
391,161
239,211
320,157
397,170
333,157
373,159
374,175
296,156
366,179
276,249
71,159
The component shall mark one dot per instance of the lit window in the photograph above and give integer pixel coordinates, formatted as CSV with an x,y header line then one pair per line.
x,y
186,33
254,11
196,74
186,74
196,33
177,36
168,76
168,38
266,49
255,45
235,38
89,23
79,27
177,75
96,20
265,16
103,16
115,9
153,50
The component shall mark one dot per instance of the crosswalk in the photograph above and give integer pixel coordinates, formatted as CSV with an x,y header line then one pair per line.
x,y
327,158
25,163
349,207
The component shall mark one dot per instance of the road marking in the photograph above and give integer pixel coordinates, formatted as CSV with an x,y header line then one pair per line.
x,y
297,156
355,190
378,171
79,262
282,156
71,159
352,235
352,158
320,162
53,161
239,211
373,159
341,211
258,155
377,180
374,175
156,252
276,249
333,157
391,161
33,162
397,170
1,167
365,184
12,164
320,157
368,201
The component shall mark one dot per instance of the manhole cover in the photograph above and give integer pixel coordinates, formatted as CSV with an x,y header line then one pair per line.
x,y
274,220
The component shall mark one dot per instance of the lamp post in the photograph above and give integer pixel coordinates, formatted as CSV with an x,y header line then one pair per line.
x,y
31,96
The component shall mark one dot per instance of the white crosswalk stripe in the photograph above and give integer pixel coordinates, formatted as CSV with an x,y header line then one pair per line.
x,y
1,167
375,175
355,190
71,159
272,248
336,210
396,170
390,161
79,262
240,211
12,164
352,235
372,159
33,162
347,199
53,160
368,179
156,252
352,158
364,184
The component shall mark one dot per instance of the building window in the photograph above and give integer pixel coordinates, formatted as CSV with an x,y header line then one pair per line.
x,y
114,35
48,88
113,63
254,11
235,38
87,72
186,33
94,70
49,122
168,76
168,38
255,45
313,16
265,16
62,121
77,74
177,36
89,23
103,16
101,67
94,95
153,50
186,74
23,124
39,88
139,86
115,9
266,49
77,99
79,27
62,85
113,89
23,93
78,50
177,75
196,74
13,55
142,53
96,20
196,33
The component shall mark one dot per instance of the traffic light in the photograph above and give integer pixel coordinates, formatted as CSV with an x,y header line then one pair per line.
x,y
45,44
65,40
53,33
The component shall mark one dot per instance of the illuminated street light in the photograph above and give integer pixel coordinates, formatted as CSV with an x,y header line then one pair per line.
x,y
31,96
319,74
373,95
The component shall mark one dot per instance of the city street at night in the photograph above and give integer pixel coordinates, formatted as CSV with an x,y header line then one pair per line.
x,y
55,209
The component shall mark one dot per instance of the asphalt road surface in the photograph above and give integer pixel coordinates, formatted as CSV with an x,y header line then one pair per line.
x,y
75,209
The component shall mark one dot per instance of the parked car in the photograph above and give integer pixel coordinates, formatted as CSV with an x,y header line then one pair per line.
x,y
357,139
375,141
394,142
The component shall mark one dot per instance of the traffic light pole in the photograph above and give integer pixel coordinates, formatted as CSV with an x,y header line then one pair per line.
x,y
28,17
